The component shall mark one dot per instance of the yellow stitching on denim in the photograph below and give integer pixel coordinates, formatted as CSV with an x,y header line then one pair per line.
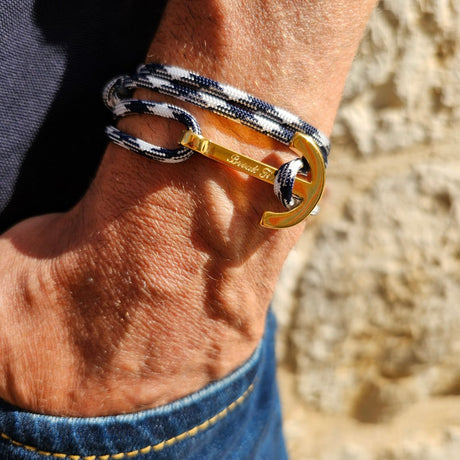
x,y
145,450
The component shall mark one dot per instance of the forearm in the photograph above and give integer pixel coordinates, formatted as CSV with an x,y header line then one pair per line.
x,y
295,54
159,279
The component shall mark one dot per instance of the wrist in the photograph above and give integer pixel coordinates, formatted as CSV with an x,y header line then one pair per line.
x,y
132,312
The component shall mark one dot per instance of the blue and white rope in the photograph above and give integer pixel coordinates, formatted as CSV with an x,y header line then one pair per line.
x,y
221,99
132,106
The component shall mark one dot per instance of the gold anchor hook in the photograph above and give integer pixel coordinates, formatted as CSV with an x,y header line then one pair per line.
x,y
309,191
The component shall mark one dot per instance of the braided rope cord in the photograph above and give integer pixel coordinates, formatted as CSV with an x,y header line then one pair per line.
x,y
131,106
221,99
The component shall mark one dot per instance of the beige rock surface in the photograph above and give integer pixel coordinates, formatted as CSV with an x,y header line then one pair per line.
x,y
404,87
426,430
369,301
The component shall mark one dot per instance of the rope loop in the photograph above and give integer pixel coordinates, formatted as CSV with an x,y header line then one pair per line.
x,y
284,181
121,108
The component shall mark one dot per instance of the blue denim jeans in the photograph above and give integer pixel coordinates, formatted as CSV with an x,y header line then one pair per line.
x,y
238,417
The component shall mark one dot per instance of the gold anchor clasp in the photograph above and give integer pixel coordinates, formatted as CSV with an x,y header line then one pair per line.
x,y
309,191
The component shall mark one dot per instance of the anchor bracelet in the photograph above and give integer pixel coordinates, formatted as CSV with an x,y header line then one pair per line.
x,y
312,145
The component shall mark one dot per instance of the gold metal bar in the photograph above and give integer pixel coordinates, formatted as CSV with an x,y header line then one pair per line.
x,y
235,160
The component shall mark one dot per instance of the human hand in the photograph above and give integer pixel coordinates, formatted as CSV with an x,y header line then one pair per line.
x,y
158,281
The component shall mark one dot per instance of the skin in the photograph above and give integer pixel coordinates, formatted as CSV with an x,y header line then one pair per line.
x,y
159,280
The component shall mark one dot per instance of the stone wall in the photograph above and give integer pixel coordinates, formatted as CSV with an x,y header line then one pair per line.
x,y
369,301
404,85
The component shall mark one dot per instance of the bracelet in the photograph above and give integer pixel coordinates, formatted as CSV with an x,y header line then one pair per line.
x,y
312,145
